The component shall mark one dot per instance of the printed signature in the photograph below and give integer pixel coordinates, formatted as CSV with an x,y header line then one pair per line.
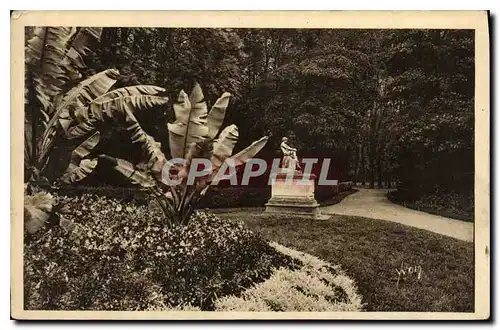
x,y
413,270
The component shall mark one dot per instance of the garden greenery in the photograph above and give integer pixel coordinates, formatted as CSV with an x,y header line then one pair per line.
x,y
55,61
56,107
194,135
115,256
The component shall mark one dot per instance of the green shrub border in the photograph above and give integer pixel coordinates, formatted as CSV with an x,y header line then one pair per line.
x,y
216,198
399,198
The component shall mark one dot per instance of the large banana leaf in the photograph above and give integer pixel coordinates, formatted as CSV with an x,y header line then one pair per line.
x,y
83,94
152,149
190,122
130,91
79,96
131,172
244,155
201,149
84,37
45,53
217,114
80,168
27,145
224,145
79,172
156,160
78,48
81,114
119,110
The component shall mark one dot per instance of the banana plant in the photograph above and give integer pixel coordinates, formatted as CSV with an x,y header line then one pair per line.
x,y
60,104
54,63
195,133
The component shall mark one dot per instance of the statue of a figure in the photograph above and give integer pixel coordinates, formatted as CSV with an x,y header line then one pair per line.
x,y
290,160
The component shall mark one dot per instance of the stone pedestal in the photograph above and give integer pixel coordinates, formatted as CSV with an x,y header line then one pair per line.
x,y
293,194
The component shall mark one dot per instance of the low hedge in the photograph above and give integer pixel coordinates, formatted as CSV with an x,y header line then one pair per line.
x,y
229,197
217,197
345,186
323,193
453,205
337,198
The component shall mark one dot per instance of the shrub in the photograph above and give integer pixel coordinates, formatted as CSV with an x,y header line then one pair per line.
x,y
447,204
345,186
118,257
323,193
228,197
216,197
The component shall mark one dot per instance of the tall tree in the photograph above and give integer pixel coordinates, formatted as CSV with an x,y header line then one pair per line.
x,y
433,85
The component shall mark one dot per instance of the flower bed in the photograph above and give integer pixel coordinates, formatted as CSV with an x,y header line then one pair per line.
x,y
122,257
111,255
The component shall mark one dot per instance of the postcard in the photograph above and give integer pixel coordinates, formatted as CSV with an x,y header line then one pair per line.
x,y
183,165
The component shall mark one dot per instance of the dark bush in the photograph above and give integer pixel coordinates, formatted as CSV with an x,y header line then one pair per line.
x,y
447,204
345,186
217,197
323,193
337,198
121,257
227,197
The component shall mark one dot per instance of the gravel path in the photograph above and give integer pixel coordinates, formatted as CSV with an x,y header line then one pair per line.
x,y
373,203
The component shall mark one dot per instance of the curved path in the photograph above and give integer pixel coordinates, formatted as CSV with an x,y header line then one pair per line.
x,y
373,203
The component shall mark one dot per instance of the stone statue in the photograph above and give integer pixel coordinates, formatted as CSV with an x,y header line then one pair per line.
x,y
292,190
290,160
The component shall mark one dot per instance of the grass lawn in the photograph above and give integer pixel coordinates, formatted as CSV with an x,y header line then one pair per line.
x,y
373,251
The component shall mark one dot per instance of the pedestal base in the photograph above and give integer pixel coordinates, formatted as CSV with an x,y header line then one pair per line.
x,y
293,193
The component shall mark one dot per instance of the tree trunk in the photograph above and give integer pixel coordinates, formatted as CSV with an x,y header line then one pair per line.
x,y
356,166
372,171
363,165
373,162
379,171
373,143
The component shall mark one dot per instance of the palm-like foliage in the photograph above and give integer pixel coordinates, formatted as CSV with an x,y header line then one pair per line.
x,y
54,62
55,58
194,134
56,106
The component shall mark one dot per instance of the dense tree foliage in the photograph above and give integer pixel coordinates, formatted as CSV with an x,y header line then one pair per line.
x,y
174,58
434,87
389,106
